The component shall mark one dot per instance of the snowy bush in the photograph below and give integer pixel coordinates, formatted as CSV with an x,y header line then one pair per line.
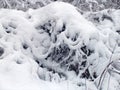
x,y
58,45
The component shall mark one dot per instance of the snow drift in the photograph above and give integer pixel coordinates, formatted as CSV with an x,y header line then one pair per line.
x,y
54,48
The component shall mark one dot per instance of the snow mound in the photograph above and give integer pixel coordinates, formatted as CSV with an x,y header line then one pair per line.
x,y
54,46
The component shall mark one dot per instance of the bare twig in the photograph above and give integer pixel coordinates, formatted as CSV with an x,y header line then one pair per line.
x,y
105,70
108,82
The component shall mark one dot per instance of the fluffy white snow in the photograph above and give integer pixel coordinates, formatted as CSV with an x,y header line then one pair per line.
x,y
29,37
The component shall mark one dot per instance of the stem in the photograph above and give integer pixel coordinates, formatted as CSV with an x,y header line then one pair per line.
x,y
105,70
108,82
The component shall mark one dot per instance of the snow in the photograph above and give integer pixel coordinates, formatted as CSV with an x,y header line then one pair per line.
x,y
44,49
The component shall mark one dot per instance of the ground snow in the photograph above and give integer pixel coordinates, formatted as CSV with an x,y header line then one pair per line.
x,y
30,37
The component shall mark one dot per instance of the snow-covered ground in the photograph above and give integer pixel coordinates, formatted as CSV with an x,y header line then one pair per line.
x,y
56,48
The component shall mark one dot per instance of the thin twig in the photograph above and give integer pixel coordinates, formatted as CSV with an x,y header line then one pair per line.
x,y
108,82
105,70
